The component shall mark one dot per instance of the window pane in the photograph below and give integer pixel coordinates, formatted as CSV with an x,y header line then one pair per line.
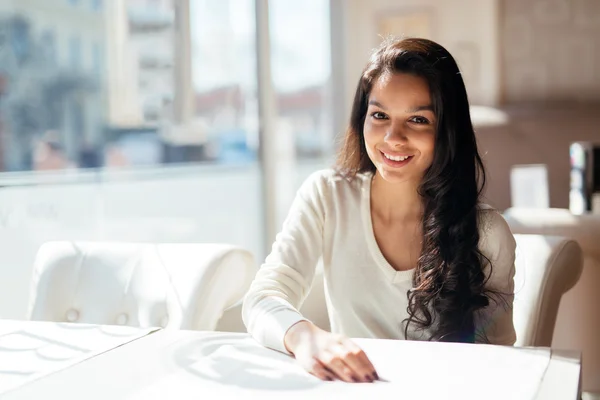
x,y
301,67
224,78
301,73
96,4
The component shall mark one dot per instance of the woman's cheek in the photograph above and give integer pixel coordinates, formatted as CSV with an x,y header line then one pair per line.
x,y
368,134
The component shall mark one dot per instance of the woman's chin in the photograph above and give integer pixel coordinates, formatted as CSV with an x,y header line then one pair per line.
x,y
393,175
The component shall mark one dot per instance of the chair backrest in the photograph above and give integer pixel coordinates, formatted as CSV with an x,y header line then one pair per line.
x,y
578,320
182,286
546,267
585,229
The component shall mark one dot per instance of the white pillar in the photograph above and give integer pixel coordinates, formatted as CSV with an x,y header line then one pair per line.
x,y
184,97
339,90
267,123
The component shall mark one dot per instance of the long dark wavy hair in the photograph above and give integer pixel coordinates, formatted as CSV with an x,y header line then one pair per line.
x,y
449,281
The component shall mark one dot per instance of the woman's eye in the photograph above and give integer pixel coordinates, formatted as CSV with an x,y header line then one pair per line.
x,y
419,120
378,115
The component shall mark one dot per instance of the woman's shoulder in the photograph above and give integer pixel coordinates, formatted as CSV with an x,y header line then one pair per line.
x,y
331,180
495,236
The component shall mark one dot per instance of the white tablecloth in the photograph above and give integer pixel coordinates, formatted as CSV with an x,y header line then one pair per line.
x,y
193,365
236,367
30,350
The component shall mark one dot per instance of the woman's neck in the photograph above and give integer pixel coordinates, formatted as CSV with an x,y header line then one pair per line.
x,y
395,202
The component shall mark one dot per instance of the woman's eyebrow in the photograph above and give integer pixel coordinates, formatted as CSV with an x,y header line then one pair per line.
x,y
428,107
376,104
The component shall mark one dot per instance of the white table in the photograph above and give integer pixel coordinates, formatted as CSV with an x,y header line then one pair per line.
x,y
186,364
32,350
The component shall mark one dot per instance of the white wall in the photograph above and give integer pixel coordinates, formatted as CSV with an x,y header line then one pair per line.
x,y
508,50
467,28
551,50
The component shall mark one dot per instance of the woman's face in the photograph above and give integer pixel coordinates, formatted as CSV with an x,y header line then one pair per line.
x,y
399,127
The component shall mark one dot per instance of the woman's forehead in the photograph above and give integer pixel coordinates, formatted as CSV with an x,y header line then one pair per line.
x,y
400,88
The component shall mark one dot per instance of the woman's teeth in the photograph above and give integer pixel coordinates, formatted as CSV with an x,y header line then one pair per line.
x,y
395,158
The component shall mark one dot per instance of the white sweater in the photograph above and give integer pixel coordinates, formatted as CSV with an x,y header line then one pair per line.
x,y
366,297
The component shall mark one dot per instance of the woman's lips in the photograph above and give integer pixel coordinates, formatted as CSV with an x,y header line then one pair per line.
x,y
396,160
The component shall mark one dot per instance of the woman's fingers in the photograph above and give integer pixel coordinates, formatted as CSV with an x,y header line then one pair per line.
x,y
320,371
328,356
350,362
341,370
356,359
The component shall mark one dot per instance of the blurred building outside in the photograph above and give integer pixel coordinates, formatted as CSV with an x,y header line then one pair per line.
x,y
52,73
115,83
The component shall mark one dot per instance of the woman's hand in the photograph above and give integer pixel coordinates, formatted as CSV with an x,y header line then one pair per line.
x,y
328,356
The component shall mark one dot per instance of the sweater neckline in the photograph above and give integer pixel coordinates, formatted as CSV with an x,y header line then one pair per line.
x,y
389,271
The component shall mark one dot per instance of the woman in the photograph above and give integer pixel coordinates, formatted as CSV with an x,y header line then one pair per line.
x,y
408,250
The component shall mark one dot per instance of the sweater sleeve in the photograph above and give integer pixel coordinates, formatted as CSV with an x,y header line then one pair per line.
x,y
495,322
282,283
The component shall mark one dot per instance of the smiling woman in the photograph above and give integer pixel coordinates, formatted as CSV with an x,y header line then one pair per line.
x,y
408,250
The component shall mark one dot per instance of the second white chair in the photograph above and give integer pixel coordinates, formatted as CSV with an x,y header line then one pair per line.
x,y
181,286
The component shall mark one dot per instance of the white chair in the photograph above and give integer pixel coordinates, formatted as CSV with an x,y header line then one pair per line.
x,y
546,267
578,320
180,286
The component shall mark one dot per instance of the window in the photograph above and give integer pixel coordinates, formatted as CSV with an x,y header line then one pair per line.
x,y
48,43
149,129
224,78
20,38
97,5
300,63
97,61
75,53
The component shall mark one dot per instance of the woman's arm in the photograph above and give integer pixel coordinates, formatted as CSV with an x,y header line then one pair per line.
x,y
495,322
283,281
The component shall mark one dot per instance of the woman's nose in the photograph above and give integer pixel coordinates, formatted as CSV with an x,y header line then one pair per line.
x,y
396,136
